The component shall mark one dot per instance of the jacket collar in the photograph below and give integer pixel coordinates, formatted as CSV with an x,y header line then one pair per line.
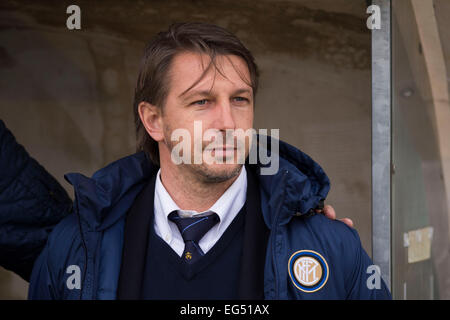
x,y
298,186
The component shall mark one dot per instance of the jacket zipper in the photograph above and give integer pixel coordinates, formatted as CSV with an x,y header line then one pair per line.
x,y
274,230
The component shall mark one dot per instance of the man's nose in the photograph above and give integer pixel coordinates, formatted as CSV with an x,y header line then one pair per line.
x,y
224,116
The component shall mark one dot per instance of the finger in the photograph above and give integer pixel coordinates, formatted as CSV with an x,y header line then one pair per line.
x,y
347,221
329,212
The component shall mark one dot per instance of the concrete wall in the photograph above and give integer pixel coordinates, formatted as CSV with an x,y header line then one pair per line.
x,y
67,95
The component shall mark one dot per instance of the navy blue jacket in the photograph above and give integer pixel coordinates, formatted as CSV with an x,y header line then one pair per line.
x,y
32,202
308,256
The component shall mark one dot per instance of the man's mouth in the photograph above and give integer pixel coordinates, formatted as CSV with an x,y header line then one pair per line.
x,y
222,151
227,147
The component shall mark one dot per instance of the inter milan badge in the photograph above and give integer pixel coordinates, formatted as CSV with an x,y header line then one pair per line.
x,y
308,270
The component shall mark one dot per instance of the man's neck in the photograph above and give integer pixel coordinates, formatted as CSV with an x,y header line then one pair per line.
x,y
189,192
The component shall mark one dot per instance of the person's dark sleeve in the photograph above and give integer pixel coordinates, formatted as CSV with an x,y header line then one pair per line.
x,y
32,202
365,283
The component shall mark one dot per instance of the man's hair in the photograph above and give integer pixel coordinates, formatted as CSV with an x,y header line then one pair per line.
x,y
153,80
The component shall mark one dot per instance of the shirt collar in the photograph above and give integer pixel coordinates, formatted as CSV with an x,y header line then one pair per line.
x,y
232,200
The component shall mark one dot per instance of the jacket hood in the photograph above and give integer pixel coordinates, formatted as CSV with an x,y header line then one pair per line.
x,y
297,187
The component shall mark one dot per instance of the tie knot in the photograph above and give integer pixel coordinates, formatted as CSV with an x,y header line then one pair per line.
x,y
193,229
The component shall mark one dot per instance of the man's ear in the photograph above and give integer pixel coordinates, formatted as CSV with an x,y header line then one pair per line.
x,y
151,120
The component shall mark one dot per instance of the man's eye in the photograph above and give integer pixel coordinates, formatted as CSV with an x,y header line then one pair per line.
x,y
200,102
240,99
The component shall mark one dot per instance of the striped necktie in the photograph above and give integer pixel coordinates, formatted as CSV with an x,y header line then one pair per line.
x,y
192,230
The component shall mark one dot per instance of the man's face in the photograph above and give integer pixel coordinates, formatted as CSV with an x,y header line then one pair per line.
x,y
222,101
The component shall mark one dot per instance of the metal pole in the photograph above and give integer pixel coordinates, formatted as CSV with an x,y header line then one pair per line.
x,y
381,142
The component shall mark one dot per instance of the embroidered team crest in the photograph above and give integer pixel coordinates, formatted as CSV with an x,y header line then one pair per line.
x,y
308,270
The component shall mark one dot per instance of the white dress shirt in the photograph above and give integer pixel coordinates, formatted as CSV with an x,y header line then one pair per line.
x,y
226,207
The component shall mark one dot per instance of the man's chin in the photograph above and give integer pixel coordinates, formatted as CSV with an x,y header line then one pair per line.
x,y
215,173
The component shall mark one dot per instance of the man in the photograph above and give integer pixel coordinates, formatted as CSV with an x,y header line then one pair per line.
x,y
32,202
198,229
